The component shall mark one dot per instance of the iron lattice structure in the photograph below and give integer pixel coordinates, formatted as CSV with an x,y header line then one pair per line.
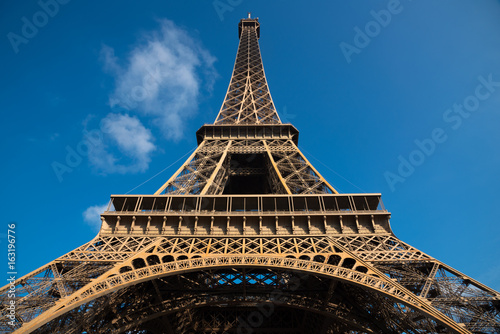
x,y
248,237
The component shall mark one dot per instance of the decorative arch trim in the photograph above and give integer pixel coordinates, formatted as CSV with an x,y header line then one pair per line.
x,y
118,281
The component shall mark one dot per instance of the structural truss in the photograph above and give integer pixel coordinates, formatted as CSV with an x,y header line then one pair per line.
x,y
248,237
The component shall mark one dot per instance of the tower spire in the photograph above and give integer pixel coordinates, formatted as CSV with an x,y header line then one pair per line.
x,y
248,100
247,149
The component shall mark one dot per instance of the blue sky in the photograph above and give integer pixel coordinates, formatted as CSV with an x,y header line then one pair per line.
x,y
397,98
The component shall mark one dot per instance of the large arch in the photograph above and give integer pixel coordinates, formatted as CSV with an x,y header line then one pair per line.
x,y
138,308
115,281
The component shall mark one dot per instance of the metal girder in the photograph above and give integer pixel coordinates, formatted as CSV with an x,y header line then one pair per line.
x,y
250,252
207,171
453,300
248,99
212,181
119,279
278,173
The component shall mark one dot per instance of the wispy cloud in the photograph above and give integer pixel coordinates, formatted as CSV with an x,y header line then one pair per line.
x,y
132,140
162,77
92,216
159,83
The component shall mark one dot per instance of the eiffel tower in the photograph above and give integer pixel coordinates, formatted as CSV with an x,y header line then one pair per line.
x,y
248,237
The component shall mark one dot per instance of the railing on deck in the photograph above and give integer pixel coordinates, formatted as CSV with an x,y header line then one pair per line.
x,y
248,204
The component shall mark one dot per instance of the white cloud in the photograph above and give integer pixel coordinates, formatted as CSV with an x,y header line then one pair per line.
x,y
133,141
92,216
162,77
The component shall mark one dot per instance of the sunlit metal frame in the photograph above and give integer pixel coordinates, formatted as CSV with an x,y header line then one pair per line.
x,y
303,226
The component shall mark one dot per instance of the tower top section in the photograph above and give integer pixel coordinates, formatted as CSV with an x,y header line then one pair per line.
x,y
248,100
249,22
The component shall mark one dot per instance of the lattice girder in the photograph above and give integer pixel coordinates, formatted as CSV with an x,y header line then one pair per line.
x,y
157,250
208,170
248,100
265,297
98,290
317,256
